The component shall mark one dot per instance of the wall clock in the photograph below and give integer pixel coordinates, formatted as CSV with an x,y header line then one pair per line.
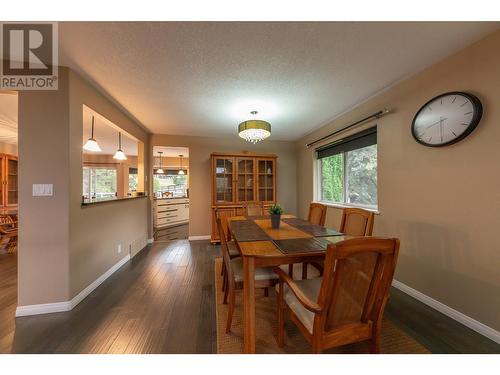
x,y
446,119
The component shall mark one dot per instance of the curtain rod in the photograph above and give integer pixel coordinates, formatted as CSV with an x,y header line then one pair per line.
x,y
378,114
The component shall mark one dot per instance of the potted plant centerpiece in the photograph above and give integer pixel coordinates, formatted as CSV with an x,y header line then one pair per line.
x,y
275,210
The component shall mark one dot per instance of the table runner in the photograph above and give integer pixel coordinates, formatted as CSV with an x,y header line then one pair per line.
x,y
302,245
247,230
312,229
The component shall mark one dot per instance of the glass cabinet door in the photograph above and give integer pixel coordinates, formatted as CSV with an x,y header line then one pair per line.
x,y
245,183
11,181
224,170
266,171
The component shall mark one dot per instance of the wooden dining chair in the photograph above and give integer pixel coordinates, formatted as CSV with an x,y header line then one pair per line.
x,y
232,248
8,233
355,222
264,277
317,216
346,305
254,209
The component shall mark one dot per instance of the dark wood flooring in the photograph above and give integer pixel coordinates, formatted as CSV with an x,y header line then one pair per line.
x,y
162,301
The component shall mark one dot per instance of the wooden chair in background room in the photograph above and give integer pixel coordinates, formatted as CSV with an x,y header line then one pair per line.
x,y
264,277
254,209
347,304
317,216
232,249
8,233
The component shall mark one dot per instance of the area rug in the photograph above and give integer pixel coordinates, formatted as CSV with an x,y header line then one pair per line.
x,y
393,340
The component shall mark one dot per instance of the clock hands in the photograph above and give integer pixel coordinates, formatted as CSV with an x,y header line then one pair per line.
x,y
437,122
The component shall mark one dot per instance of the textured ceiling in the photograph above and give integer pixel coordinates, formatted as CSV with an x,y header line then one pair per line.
x,y
8,118
203,78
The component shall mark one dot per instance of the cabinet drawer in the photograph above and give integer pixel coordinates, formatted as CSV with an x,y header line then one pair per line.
x,y
162,215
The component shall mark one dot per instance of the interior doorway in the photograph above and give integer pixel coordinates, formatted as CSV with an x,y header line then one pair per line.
x,y
170,193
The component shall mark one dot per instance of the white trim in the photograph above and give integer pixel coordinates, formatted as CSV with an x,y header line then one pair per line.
x,y
199,238
47,308
150,240
44,308
85,292
349,205
448,311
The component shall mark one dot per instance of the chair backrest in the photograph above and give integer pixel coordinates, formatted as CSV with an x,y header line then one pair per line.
x,y
357,222
253,209
357,276
225,251
6,219
317,214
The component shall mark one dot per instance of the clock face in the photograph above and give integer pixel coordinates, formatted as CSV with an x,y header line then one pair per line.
x,y
446,119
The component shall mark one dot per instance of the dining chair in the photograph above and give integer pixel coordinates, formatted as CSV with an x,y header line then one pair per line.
x,y
8,233
264,277
355,222
254,209
317,216
347,304
232,248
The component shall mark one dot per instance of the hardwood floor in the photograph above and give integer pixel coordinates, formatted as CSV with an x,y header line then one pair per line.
x,y
162,301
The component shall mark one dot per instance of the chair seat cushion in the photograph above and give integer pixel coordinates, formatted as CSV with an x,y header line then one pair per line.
x,y
261,273
233,249
310,287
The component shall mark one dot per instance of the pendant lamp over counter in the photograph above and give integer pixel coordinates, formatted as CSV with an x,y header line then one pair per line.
x,y
91,144
181,171
119,154
160,170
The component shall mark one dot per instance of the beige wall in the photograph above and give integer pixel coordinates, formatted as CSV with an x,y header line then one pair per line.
x,y
200,149
64,247
96,231
43,256
443,203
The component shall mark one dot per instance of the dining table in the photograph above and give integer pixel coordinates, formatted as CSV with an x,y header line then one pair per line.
x,y
261,245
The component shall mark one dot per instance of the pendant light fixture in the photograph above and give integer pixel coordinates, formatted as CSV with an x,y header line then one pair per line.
x,y
91,144
119,154
160,170
181,171
254,130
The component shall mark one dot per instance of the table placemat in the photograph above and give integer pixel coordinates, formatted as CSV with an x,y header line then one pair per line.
x,y
247,230
302,245
312,229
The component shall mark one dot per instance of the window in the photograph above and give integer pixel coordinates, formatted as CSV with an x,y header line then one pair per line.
x,y
170,184
133,180
348,170
99,183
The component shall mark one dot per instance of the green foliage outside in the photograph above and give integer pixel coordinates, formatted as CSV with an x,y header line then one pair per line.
x,y
361,176
332,178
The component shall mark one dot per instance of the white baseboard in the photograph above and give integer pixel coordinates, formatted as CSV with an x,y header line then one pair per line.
x,y
85,292
47,308
467,321
44,308
199,238
150,240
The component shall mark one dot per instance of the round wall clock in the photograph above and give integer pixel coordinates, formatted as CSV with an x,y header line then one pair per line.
x,y
446,119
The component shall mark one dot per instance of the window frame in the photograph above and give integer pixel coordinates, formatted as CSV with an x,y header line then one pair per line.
x,y
90,167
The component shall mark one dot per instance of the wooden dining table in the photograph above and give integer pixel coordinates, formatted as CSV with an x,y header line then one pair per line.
x,y
296,241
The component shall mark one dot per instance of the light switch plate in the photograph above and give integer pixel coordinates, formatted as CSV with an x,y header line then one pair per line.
x,y
43,190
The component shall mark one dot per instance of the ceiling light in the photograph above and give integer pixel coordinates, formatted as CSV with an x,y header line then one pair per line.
x,y
181,171
254,130
119,154
91,144
160,170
